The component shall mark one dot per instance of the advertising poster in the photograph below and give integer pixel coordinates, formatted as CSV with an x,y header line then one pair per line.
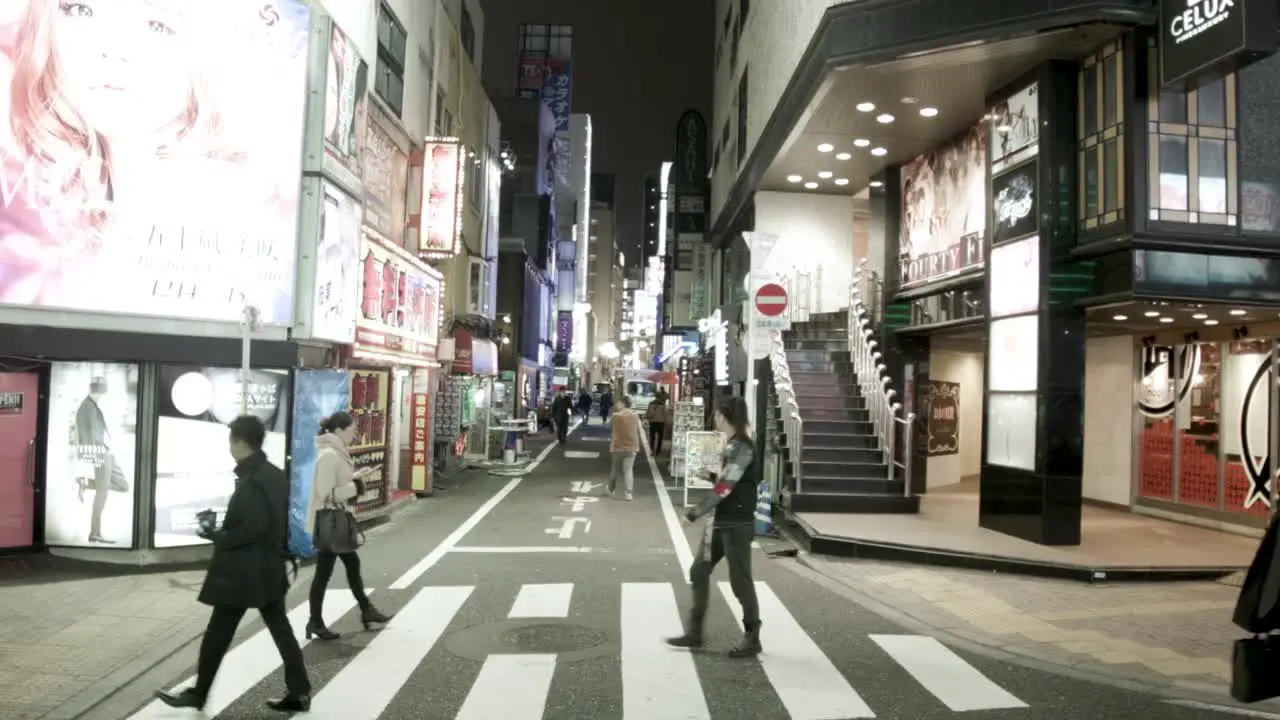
x,y
194,468
1015,129
1014,354
399,303
163,183
1015,278
420,434
90,466
1015,206
386,175
317,394
337,295
942,418
344,104
944,207
688,418
442,197
369,409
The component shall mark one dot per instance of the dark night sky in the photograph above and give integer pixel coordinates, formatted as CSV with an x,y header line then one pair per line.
x,y
636,67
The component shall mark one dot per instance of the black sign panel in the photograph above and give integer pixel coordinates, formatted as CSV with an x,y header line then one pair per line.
x,y
1201,40
942,418
1015,204
692,155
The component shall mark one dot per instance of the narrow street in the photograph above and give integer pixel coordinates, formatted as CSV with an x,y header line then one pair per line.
x,y
540,597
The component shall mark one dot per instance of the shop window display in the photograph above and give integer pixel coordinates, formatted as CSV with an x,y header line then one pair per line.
x,y
1157,393
1246,427
1198,424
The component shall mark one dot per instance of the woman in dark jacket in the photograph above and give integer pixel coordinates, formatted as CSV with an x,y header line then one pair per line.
x,y
730,532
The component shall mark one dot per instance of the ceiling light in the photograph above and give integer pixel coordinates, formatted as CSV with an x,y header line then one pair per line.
x,y
1151,313
1211,323
1237,312
879,152
1166,319
876,183
842,181
1199,316
794,178
910,100
862,142
866,107
843,156
826,147
811,185
884,119
929,112
1121,318
1003,128
825,174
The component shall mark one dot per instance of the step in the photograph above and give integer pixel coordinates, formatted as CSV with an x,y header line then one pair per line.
x,y
833,399
842,454
846,414
815,438
837,427
815,355
846,470
852,503
851,486
833,344
800,366
798,332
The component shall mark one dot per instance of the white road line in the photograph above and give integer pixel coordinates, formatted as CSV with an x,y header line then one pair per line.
x,y
809,685
368,683
250,662
684,554
580,455
657,681
1225,709
955,682
542,601
511,687
518,550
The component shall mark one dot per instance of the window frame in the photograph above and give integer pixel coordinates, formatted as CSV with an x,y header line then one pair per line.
x,y
1092,145
392,59
477,285
467,34
475,190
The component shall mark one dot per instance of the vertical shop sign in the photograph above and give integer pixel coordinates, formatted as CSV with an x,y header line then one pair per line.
x,y
942,418
533,73
557,92
564,331
420,436
439,223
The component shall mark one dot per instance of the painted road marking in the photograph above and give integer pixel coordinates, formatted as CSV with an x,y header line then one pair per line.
x,y
684,554
580,455
251,661
945,674
809,685
657,681
1225,709
511,687
370,681
542,601
516,549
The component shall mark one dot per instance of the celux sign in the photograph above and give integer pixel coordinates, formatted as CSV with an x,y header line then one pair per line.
x,y
1200,15
1202,40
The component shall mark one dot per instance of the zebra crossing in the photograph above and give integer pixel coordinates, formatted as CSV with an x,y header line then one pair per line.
x,y
656,681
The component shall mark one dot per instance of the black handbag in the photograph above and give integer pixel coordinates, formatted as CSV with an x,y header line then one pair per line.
x,y
337,531
1255,668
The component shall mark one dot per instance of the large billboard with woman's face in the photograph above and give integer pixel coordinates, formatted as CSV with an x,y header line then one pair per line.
x,y
944,209
151,162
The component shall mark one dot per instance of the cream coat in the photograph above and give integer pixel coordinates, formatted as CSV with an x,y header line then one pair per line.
x,y
332,480
625,433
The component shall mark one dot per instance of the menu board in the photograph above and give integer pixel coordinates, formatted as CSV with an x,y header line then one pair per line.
x,y
688,418
703,452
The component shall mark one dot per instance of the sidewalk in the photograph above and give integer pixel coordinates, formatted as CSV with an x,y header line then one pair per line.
x,y
1168,635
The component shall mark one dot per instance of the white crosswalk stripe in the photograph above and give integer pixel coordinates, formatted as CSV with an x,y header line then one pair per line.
x,y
657,681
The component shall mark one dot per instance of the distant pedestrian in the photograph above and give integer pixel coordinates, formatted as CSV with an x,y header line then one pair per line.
x,y
730,533
561,409
624,443
606,404
249,570
656,414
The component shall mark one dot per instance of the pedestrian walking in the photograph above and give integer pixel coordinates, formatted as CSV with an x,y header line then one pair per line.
x,y
334,484
248,570
729,532
561,408
624,443
656,414
606,404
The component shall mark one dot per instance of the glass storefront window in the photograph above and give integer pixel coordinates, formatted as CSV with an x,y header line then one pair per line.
x,y
1198,424
1156,399
1246,400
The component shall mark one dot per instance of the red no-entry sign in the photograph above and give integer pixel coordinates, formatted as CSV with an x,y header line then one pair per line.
x,y
771,300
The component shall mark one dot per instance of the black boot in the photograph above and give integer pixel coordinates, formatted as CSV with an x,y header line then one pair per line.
x,y
317,629
749,645
188,698
291,703
692,637
370,615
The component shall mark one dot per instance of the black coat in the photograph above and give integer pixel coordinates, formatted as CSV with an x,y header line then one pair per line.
x,y
250,550
1258,608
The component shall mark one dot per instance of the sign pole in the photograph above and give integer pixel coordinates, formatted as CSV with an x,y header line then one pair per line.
x,y
248,324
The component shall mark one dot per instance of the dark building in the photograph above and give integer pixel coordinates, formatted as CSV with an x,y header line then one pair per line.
x,y
524,300
602,188
649,218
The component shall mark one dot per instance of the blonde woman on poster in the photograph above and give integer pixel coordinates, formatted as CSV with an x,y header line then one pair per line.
x,y
152,156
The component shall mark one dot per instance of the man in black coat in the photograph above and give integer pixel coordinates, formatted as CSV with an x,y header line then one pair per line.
x,y
248,570
561,409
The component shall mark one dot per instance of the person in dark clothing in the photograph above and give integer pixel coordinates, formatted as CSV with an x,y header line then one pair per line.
x,y
248,570
657,417
584,405
561,408
92,445
606,404
730,532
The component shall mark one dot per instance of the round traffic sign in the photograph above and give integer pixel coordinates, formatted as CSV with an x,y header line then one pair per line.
x,y
771,299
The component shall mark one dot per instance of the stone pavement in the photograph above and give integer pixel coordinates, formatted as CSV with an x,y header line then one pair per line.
x,y
1171,635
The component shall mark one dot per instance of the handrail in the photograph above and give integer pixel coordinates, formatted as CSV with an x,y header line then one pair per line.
x,y
874,381
792,424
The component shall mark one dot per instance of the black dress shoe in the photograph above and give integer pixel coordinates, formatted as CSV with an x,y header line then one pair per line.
x,y
291,703
189,698
690,641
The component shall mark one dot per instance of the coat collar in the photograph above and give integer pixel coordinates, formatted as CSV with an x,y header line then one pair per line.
x,y
247,467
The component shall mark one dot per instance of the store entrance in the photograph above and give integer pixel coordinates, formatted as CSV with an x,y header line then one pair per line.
x,y
19,424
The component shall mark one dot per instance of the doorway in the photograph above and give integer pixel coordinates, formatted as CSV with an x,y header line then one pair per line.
x,y
19,425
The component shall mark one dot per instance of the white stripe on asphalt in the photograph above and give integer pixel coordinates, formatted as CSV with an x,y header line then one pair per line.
x,y
518,549
1225,709
511,687
251,661
945,674
657,681
370,681
809,685
542,601
580,455
684,553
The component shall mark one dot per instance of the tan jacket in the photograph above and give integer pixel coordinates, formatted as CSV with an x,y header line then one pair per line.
x,y
657,412
331,481
626,430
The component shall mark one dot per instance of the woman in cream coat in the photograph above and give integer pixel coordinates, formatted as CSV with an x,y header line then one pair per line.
x,y
335,483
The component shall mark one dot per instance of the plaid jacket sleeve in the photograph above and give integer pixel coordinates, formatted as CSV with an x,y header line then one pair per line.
x,y
737,458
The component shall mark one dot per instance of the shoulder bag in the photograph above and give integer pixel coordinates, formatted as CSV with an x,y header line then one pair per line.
x,y
336,529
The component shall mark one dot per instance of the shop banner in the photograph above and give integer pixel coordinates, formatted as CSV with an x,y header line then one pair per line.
x,y
399,306
91,457
194,470
370,390
336,299
385,178
344,108
317,394
942,418
420,434
443,178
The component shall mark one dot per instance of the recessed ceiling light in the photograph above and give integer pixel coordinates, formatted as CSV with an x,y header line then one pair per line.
x,y
1121,318
843,156
861,142
1166,319
1237,312
866,107
842,181
811,185
928,112
1199,316
1210,322
825,174
1152,313
794,178
826,147
876,183
910,100
879,152
884,119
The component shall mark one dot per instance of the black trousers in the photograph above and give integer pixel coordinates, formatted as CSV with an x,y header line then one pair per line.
x,y
657,431
562,430
733,544
325,563
222,629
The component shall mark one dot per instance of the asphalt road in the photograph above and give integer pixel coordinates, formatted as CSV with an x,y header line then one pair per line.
x,y
538,598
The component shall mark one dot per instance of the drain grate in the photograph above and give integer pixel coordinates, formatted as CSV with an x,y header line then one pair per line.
x,y
552,638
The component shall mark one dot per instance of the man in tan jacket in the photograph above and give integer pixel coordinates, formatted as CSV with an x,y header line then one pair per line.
x,y
623,446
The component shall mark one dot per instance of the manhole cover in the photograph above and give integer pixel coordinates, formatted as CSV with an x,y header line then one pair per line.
x,y
552,638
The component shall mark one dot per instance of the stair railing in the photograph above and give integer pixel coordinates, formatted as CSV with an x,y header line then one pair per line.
x,y
874,381
804,292
792,424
